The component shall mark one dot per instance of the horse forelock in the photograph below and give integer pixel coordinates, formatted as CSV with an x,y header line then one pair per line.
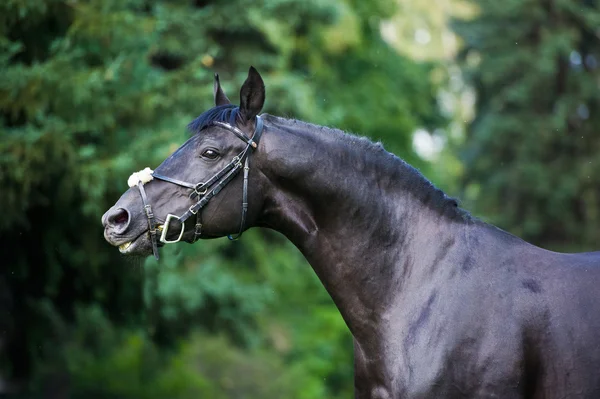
x,y
221,113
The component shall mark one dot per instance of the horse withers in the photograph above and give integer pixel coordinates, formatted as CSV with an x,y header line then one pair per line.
x,y
440,304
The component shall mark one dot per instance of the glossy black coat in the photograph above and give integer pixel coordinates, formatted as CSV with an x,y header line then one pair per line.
x,y
440,305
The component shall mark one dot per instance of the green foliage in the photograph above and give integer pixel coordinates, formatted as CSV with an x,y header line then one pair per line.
x,y
126,364
94,90
532,150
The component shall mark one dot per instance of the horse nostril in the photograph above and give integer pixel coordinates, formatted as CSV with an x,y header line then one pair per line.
x,y
122,217
119,218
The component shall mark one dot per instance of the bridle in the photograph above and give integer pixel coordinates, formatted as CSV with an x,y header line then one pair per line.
x,y
203,192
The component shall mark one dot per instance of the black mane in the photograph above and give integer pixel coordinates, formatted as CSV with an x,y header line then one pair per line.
x,y
412,179
222,113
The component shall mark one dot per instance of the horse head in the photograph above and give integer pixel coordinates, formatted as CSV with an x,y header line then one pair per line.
x,y
202,190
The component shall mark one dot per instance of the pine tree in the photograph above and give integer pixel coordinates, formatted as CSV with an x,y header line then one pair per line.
x,y
532,151
94,90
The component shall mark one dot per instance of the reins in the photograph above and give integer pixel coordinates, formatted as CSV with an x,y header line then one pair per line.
x,y
205,191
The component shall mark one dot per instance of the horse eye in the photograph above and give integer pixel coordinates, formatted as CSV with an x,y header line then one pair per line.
x,y
210,154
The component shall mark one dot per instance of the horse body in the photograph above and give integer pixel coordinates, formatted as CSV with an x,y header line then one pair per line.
x,y
506,325
440,305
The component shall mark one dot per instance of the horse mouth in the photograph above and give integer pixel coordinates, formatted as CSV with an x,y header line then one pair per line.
x,y
123,247
140,244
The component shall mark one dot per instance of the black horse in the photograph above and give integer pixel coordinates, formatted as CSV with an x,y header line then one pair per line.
x,y
440,305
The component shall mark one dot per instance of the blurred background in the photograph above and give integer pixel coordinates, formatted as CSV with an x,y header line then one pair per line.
x,y
495,101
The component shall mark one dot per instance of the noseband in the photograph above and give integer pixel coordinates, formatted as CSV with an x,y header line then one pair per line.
x,y
202,192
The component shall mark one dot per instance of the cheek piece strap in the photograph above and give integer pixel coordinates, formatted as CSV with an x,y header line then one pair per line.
x,y
202,192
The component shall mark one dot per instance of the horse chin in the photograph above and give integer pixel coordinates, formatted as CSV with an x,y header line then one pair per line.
x,y
141,246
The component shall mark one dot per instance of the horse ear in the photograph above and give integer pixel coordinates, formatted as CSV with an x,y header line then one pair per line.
x,y
220,97
252,95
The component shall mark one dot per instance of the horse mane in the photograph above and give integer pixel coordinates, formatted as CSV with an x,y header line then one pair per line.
x,y
410,178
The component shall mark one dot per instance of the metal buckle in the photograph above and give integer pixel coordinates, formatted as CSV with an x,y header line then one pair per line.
x,y
148,209
163,236
199,193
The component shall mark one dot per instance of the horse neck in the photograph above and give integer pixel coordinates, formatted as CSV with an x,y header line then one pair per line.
x,y
357,226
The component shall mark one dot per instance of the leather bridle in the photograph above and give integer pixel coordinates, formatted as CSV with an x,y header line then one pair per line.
x,y
203,192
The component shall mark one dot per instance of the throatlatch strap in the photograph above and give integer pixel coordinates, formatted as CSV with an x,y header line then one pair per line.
x,y
258,130
244,200
150,216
